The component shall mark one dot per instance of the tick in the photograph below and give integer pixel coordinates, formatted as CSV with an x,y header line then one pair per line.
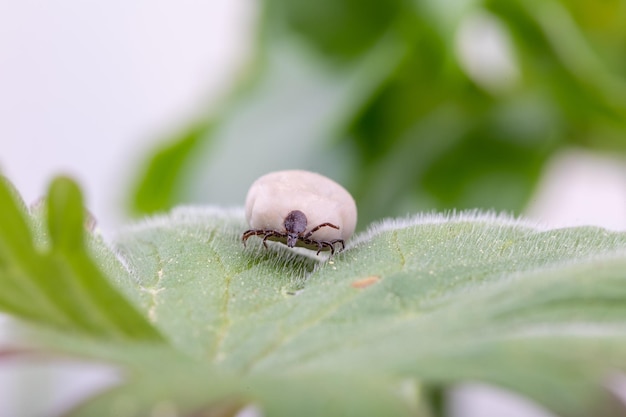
x,y
300,208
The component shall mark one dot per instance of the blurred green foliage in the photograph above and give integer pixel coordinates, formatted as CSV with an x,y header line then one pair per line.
x,y
161,184
435,132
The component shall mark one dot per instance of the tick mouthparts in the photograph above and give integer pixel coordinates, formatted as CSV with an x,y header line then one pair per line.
x,y
292,240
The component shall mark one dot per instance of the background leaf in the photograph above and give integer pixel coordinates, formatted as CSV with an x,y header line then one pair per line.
x,y
158,186
420,127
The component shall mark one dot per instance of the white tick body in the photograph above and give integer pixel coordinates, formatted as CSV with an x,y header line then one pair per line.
x,y
273,196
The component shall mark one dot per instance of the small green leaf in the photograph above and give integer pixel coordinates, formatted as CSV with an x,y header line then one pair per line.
x,y
160,184
13,225
65,215
58,284
17,259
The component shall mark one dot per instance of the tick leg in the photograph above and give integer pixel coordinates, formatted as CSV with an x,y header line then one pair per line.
x,y
343,245
251,232
322,244
271,233
267,235
318,227
259,232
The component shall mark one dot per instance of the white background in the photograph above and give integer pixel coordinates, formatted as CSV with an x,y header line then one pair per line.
x,y
86,86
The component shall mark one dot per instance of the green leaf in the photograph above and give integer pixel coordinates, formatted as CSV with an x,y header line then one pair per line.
x,y
350,27
432,299
409,307
65,215
158,188
57,283
192,389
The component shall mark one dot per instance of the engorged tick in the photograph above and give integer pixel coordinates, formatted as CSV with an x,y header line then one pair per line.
x,y
281,205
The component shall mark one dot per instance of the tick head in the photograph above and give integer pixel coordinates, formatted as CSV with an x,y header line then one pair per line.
x,y
295,224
